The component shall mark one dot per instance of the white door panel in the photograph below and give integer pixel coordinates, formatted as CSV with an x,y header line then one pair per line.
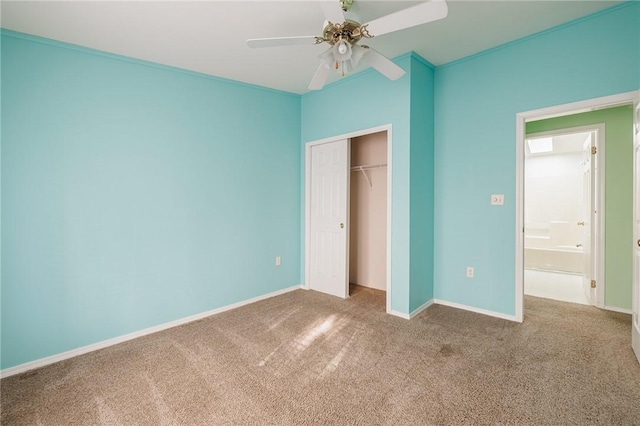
x,y
328,222
587,222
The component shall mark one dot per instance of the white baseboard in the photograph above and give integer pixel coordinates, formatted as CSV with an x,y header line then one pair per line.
x,y
114,341
476,310
400,314
421,308
620,310
414,313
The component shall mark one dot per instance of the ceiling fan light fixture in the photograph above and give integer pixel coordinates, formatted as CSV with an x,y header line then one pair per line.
x,y
342,47
343,63
327,57
342,51
357,52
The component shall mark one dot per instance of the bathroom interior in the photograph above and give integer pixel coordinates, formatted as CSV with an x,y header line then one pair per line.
x,y
557,217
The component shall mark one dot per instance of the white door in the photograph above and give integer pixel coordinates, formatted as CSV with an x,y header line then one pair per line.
x,y
587,223
635,328
328,271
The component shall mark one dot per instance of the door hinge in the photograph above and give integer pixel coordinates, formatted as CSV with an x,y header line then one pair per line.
x,y
593,283
594,150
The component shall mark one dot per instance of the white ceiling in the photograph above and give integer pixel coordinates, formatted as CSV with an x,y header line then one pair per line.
x,y
209,36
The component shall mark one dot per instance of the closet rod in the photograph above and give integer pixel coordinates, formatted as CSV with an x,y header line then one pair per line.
x,y
368,167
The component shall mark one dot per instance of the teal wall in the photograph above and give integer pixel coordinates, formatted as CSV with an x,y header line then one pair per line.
x,y
618,216
371,100
134,195
477,100
422,184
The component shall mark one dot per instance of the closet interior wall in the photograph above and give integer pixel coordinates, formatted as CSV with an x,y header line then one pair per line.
x,y
368,211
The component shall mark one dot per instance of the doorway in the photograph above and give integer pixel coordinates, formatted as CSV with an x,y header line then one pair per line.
x,y
370,169
618,272
563,231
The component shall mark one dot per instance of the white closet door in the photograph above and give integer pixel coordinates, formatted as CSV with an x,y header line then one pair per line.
x,y
328,270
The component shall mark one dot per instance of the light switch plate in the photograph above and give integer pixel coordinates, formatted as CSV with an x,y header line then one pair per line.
x,y
497,199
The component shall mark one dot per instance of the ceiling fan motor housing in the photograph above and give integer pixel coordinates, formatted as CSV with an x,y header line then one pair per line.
x,y
349,31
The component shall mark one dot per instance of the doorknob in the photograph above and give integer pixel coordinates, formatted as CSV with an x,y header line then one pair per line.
x,y
580,223
638,243
342,225
578,245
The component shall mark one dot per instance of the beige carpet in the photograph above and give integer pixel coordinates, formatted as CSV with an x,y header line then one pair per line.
x,y
308,358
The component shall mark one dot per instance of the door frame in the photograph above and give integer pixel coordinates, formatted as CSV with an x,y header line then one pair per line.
x,y
522,118
597,255
307,202
635,293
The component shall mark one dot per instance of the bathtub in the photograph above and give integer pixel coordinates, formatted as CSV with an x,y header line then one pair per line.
x,y
563,258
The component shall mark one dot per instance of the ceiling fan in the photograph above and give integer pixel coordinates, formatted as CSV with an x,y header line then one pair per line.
x,y
342,32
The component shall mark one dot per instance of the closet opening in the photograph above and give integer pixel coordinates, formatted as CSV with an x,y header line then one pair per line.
x,y
368,220
348,216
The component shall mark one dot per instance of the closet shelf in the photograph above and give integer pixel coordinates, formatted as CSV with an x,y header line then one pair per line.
x,y
368,167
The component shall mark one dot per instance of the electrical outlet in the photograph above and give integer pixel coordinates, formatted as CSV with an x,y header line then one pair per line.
x,y
497,199
470,272
278,261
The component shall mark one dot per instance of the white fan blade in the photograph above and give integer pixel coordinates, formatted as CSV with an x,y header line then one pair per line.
x,y
320,77
384,65
409,17
281,41
333,11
